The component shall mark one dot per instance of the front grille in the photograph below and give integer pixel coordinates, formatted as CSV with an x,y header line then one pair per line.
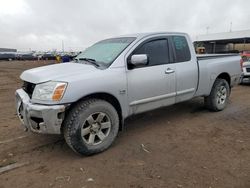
x,y
248,69
29,88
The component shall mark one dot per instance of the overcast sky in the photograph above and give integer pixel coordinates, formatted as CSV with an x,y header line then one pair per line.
x,y
44,24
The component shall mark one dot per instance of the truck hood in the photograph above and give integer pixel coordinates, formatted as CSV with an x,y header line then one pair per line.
x,y
56,72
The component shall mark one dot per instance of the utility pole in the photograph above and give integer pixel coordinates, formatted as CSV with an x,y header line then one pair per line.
x,y
62,46
231,25
207,29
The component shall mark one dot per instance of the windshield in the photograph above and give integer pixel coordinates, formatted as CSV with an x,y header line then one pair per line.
x,y
106,51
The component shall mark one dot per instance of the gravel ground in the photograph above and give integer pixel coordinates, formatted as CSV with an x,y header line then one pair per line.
x,y
180,146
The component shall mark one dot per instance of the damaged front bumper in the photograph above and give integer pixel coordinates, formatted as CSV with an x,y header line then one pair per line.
x,y
39,118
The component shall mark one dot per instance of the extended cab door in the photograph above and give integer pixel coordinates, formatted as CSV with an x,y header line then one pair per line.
x,y
152,85
186,67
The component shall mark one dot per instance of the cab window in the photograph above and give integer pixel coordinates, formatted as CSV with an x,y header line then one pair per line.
x,y
181,48
156,50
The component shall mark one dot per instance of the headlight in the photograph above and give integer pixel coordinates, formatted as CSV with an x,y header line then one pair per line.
x,y
49,91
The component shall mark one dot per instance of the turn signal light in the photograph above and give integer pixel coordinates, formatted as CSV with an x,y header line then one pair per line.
x,y
58,93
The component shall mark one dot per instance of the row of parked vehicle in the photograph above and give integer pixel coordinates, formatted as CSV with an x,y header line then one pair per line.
x,y
9,56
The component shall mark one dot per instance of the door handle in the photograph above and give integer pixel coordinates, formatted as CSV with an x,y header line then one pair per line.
x,y
169,71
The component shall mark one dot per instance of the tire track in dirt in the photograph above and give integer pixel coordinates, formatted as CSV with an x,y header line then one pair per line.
x,y
189,147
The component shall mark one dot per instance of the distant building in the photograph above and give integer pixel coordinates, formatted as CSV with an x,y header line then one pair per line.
x,y
227,42
8,50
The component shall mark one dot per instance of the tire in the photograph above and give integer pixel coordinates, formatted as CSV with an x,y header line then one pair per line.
x,y
218,98
91,126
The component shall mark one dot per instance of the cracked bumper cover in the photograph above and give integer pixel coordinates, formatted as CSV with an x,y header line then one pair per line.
x,y
38,118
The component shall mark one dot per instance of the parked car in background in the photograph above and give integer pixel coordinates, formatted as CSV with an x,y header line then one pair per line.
x,y
245,63
88,100
49,56
7,56
26,56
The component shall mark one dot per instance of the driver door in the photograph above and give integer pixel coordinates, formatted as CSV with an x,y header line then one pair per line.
x,y
153,85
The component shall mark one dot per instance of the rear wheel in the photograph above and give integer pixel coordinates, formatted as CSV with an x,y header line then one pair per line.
x,y
91,126
218,98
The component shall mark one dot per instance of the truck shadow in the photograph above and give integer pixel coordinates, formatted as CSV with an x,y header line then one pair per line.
x,y
166,114
245,84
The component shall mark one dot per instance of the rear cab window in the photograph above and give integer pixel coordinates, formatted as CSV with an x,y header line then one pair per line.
x,y
181,49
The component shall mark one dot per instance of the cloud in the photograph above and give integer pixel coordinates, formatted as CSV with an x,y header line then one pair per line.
x,y
44,24
13,7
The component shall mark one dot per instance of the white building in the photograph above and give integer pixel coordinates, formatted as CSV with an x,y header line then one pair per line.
x,y
224,42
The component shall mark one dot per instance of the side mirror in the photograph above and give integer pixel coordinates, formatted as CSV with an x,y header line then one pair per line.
x,y
139,59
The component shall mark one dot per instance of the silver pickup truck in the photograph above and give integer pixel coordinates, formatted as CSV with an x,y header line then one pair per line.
x,y
88,100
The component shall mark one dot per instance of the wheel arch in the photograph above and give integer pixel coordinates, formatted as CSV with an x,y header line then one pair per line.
x,y
106,97
226,77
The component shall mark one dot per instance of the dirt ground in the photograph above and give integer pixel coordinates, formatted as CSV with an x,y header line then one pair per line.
x,y
185,146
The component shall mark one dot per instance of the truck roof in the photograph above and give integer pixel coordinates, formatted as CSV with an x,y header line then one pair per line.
x,y
142,35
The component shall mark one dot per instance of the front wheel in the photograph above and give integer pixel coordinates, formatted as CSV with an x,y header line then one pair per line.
x,y
91,126
218,98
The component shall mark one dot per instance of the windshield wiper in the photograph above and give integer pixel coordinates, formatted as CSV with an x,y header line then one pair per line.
x,y
92,61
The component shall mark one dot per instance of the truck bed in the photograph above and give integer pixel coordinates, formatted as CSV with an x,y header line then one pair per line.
x,y
211,65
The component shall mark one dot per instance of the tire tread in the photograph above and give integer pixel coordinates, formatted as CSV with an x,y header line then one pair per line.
x,y
210,100
69,128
